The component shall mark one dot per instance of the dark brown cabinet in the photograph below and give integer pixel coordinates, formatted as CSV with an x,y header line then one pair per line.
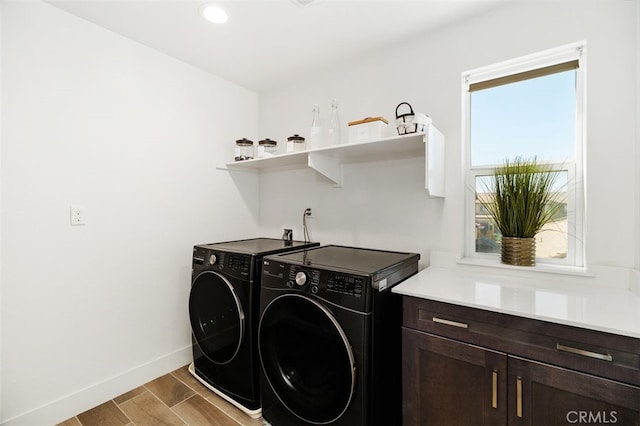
x,y
549,395
466,366
451,383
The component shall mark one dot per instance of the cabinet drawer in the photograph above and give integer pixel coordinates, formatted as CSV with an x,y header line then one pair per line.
x,y
606,355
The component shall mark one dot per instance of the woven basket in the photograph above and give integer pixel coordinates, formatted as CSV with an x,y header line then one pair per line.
x,y
518,251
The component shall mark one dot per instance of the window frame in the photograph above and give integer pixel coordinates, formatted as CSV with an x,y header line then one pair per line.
x,y
576,179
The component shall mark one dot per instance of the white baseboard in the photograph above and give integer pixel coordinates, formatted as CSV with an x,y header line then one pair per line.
x,y
68,406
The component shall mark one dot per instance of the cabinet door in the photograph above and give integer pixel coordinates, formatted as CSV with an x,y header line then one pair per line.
x,y
446,382
541,394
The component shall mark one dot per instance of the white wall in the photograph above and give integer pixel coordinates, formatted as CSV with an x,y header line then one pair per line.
x,y
382,205
94,119
1,94
638,126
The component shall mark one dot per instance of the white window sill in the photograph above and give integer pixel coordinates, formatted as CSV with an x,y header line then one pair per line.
x,y
539,267
598,275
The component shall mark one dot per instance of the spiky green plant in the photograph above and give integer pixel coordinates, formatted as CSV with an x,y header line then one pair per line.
x,y
522,199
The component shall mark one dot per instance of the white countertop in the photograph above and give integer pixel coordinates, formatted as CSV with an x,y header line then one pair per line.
x,y
612,309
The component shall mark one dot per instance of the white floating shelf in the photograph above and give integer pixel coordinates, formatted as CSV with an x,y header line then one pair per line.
x,y
328,160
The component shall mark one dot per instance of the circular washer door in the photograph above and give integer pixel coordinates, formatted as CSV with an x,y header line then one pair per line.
x,y
306,358
217,318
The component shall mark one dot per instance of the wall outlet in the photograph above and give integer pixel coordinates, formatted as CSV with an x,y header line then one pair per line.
x,y
77,214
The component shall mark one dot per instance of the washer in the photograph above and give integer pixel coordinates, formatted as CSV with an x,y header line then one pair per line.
x,y
329,336
223,309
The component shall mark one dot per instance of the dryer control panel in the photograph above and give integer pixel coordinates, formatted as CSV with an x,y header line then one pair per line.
x,y
299,277
347,284
232,264
343,289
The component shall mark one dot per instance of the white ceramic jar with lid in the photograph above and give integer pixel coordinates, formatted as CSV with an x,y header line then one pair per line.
x,y
267,148
296,143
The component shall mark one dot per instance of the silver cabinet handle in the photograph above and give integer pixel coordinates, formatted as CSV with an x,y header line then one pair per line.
x,y
448,322
596,355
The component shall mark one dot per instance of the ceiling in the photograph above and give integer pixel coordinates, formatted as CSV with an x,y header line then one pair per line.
x,y
268,42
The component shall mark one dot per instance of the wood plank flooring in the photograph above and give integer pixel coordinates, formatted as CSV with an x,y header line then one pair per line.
x,y
176,399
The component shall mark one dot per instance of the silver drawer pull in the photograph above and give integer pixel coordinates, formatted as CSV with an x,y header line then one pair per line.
x,y
596,355
447,322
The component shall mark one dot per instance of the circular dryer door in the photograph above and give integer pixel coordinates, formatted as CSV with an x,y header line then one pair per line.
x,y
217,318
306,358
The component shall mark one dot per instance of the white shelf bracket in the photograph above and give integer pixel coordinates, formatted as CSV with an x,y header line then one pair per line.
x,y
327,165
434,163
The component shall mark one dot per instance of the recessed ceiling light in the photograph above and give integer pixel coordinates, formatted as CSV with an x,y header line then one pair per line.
x,y
304,2
213,13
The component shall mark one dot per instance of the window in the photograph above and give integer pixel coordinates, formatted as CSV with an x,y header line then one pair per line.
x,y
528,107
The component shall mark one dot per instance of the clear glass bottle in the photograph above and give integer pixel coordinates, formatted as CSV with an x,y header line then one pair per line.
x,y
333,129
315,135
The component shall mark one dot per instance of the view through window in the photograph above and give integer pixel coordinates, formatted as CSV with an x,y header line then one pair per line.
x,y
528,114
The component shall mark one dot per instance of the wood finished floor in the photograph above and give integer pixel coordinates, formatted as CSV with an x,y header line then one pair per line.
x,y
176,399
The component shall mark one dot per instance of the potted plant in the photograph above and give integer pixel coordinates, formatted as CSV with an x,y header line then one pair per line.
x,y
521,198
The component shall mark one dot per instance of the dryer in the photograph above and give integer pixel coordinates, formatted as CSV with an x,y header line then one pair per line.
x,y
224,309
329,337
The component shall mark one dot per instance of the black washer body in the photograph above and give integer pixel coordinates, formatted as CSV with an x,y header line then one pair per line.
x,y
223,309
329,336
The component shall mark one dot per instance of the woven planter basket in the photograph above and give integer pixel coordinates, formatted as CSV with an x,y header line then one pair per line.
x,y
518,251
